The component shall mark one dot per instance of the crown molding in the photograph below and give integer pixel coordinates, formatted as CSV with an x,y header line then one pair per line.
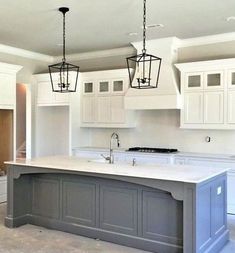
x,y
25,53
123,51
206,40
10,68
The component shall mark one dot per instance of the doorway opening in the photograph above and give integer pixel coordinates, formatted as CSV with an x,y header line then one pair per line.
x,y
6,143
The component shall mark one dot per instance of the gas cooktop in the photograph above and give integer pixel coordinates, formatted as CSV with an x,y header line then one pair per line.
x,y
152,150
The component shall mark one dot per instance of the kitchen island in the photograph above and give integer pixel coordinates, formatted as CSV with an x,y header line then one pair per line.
x,y
159,208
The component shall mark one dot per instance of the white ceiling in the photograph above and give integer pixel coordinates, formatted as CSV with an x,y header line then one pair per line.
x,y
104,24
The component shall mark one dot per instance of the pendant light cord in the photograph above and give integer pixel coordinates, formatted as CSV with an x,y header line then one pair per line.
x,y
144,28
64,60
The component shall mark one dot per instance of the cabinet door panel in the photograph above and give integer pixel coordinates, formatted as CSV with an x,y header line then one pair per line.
x,y
62,98
88,109
103,107
7,86
118,209
45,94
117,109
214,107
231,107
193,108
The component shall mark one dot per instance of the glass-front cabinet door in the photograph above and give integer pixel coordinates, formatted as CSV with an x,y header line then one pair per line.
x,y
194,81
231,78
88,88
118,86
103,87
214,80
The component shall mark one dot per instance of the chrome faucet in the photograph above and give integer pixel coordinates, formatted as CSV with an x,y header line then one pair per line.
x,y
110,158
114,136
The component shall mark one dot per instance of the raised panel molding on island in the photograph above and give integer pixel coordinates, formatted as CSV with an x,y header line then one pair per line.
x,y
79,198
167,226
118,211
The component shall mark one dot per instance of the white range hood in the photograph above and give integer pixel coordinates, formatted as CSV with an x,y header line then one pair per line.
x,y
167,95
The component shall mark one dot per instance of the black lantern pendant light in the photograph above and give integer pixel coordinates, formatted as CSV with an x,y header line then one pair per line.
x,y
64,83
147,65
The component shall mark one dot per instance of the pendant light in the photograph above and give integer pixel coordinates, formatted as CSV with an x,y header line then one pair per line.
x,y
147,65
63,82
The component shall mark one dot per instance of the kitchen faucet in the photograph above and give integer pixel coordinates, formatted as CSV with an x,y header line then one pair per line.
x,y
110,158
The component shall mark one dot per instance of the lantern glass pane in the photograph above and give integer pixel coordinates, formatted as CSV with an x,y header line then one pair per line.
x,y
64,77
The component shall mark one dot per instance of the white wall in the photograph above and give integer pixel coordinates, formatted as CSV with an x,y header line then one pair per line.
x,y
160,128
52,135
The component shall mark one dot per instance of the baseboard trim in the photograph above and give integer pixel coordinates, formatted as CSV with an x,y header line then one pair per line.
x,y
219,243
92,232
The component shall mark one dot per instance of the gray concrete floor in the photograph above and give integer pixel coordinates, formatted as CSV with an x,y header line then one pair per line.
x,y
33,239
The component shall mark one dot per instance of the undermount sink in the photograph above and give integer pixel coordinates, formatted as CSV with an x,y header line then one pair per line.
x,y
99,161
107,162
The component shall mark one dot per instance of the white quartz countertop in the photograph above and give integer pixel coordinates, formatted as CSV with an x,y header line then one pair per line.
x,y
177,154
179,173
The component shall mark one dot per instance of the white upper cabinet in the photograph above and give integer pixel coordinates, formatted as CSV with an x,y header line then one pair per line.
x,y
231,78
231,107
117,113
208,91
102,102
8,85
193,108
214,107
45,95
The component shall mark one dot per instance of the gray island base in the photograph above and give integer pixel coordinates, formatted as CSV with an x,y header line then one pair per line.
x,y
145,212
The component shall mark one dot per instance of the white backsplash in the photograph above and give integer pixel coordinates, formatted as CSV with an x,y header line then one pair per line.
x,y
160,128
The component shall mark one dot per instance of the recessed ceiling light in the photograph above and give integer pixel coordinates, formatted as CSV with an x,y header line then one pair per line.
x,y
133,34
151,26
155,25
231,18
